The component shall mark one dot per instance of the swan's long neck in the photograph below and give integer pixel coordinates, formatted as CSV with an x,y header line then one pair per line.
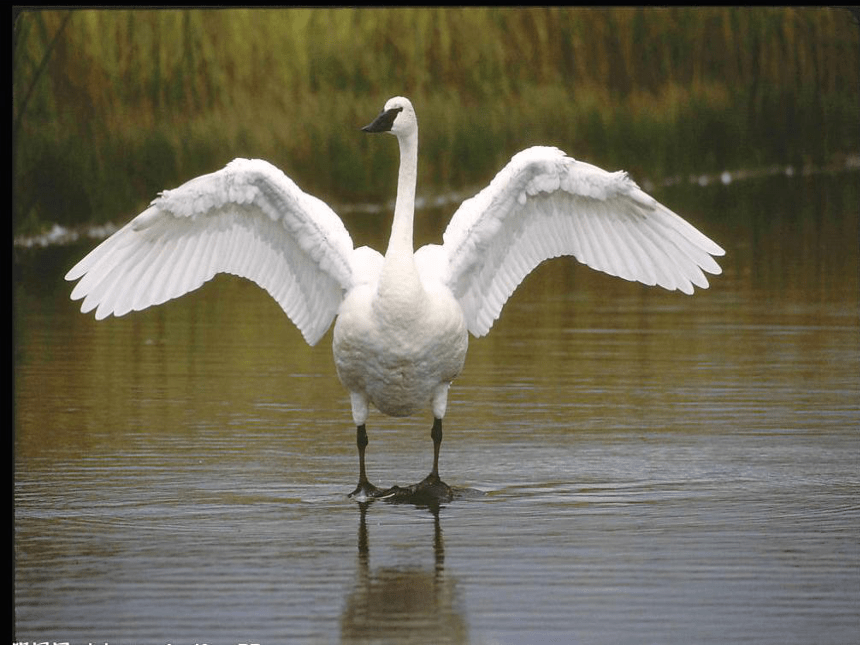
x,y
400,297
400,243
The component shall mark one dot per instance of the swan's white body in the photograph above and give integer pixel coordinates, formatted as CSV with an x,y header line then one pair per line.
x,y
402,318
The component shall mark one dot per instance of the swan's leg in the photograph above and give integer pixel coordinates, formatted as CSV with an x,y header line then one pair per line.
x,y
440,404
432,488
364,488
359,414
436,435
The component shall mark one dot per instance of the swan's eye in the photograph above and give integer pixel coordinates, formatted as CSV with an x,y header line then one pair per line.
x,y
391,114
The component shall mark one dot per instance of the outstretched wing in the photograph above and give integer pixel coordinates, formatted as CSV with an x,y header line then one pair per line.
x,y
544,204
248,219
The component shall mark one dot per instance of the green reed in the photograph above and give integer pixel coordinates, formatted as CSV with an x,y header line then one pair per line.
x,y
110,106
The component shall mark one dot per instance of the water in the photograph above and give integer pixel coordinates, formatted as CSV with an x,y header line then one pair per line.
x,y
652,468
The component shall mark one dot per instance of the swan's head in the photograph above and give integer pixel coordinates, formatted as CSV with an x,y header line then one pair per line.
x,y
397,117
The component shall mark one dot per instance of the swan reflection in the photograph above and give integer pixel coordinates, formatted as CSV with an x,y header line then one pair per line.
x,y
401,604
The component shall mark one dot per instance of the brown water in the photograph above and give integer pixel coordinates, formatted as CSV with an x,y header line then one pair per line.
x,y
653,468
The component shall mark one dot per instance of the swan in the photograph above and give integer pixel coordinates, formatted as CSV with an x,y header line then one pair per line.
x,y
403,319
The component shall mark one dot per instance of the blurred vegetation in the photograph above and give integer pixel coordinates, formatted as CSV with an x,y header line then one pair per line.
x,y
111,106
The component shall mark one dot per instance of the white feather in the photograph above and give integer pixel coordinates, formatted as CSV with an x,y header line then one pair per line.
x,y
248,219
544,204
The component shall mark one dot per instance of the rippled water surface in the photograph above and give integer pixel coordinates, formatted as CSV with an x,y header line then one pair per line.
x,y
639,466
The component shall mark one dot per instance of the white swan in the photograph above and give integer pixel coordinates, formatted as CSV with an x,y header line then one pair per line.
x,y
402,319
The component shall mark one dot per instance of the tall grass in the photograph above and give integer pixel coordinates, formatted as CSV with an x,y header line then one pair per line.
x,y
110,106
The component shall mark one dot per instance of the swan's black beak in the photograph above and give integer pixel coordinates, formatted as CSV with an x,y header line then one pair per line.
x,y
384,121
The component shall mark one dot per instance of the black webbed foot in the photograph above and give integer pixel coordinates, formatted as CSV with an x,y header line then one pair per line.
x,y
365,490
431,491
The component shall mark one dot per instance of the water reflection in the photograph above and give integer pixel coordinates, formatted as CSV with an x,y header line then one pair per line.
x,y
405,603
